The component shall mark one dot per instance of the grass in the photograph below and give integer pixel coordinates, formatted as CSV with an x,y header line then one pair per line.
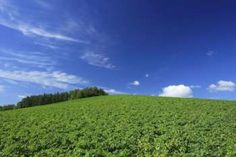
x,y
121,126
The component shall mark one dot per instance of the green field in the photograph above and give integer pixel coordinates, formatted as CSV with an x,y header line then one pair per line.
x,y
121,126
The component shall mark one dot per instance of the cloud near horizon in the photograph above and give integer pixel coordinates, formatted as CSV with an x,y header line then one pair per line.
x,y
222,86
113,91
177,91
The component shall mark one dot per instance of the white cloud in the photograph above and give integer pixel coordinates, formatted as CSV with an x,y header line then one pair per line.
x,y
177,91
146,75
50,79
113,91
221,86
135,83
98,60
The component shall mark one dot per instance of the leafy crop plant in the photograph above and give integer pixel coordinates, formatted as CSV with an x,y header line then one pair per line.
x,y
121,126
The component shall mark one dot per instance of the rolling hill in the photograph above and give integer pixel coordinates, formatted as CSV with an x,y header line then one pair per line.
x,y
121,126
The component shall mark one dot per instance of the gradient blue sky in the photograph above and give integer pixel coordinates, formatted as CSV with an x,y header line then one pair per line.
x,y
154,47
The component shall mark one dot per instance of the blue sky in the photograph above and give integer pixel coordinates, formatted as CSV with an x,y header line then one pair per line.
x,y
153,47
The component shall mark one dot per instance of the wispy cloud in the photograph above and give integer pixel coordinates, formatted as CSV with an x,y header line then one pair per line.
x,y
7,8
210,53
2,89
37,59
98,60
50,79
43,4
33,31
222,86
11,18
21,96
12,82
47,45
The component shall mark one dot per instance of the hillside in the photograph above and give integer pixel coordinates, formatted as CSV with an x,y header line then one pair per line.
x,y
121,126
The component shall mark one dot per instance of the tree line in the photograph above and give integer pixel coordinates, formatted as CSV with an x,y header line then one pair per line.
x,y
45,99
7,107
